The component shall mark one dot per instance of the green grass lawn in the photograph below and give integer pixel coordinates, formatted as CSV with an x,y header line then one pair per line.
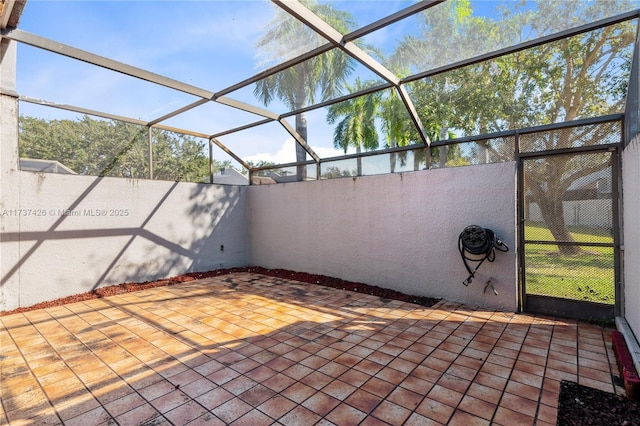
x,y
588,276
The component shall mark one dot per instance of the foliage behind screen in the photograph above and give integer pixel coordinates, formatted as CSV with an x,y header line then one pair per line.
x,y
113,148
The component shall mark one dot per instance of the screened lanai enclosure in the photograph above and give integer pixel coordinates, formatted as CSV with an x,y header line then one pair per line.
x,y
353,139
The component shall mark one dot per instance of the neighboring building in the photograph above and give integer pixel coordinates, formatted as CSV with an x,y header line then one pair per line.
x,y
44,166
230,176
587,202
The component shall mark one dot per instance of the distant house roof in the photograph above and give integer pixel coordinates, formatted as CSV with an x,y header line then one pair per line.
x,y
229,176
599,181
46,166
262,180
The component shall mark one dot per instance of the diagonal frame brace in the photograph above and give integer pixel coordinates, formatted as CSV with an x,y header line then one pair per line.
x,y
299,139
230,153
91,58
413,113
306,16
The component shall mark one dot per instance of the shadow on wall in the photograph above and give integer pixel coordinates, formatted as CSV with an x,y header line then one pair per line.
x,y
183,231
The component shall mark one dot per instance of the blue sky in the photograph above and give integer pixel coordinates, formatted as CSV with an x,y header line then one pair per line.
x,y
209,44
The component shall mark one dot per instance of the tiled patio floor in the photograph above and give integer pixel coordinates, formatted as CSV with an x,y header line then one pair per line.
x,y
246,349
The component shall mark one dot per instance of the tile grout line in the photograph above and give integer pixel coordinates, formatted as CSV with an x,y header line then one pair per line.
x,y
504,390
451,363
453,315
544,373
358,387
120,376
90,350
440,321
493,416
278,393
55,410
456,408
412,411
75,314
192,345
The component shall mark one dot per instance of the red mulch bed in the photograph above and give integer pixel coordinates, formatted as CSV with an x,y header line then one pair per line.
x,y
584,406
191,276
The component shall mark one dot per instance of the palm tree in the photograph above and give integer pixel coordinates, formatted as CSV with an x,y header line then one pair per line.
x,y
315,80
396,124
357,127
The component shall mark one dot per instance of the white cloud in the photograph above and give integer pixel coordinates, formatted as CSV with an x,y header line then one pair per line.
x,y
287,153
324,152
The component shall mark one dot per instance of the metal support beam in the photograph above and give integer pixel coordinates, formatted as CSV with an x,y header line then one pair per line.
x,y
390,19
150,136
91,58
101,61
247,107
237,129
276,69
211,171
413,113
632,104
284,165
305,15
299,139
367,60
112,116
526,45
11,11
415,8
349,96
82,110
181,131
7,8
302,13
221,100
12,8
231,154
178,111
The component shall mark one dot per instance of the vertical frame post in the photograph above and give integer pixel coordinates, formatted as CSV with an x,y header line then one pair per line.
x,y
150,138
210,161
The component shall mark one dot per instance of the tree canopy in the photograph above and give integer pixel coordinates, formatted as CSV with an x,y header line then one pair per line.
x,y
576,77
96,147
